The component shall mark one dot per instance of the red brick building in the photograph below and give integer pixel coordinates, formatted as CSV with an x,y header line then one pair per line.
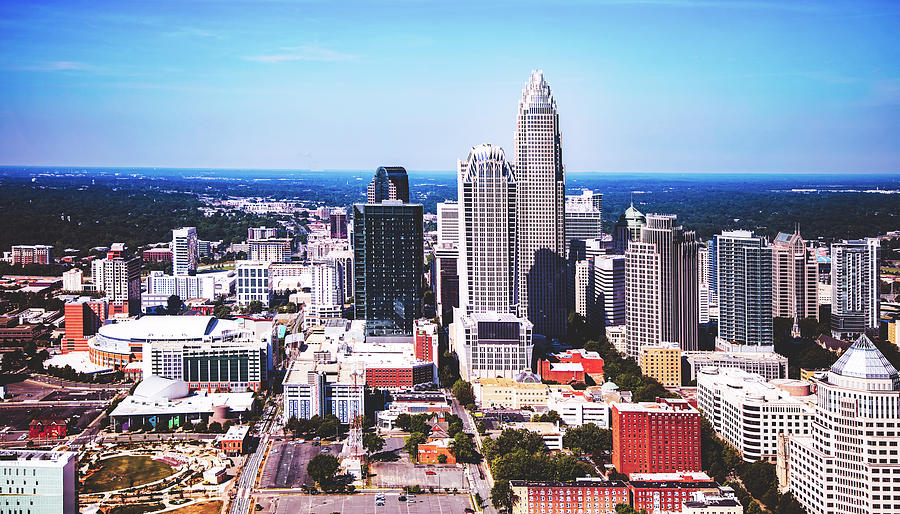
x,y
157,255
584,496
83,317
430,452
47,429
425,340
400,377
668,495
656,437
232,442
572,366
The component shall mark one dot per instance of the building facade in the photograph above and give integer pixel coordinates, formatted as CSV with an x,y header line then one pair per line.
x,y
253,283
744,276
584,216
491,344
586,496
388,258
31,254
855,300
850,461
38,482
795,274
184,251
656,437
389,183
662,362
540,201
270,250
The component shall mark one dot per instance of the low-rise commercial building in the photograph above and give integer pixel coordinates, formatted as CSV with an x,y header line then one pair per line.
x,y
314,388
233,441
430,452
571,366
588,496
768,364
668,495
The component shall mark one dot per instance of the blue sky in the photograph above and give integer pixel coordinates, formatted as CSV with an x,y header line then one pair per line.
x,y
653,85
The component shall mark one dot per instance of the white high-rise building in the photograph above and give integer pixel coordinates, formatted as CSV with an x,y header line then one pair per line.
x,y
38,482
184,251
672,255
72,280
326,300
490,339
541,186
851,462
608,281
744,286
854,279
448,222
184,286
253,282
703,283
583,289
584,216
487,232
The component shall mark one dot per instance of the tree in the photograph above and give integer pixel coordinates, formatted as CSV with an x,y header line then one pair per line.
x,y
222,311
254,307
588,438
412,444
329,427
624,508
215,427
578,330
322,469
403,421
549,417
173,305
502,495
442,459
372,442
463,448
463,392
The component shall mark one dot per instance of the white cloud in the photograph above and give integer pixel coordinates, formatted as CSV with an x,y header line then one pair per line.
x,y
312,53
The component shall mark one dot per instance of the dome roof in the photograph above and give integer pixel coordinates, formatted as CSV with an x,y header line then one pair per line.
x,y
863,360
527,377
610,386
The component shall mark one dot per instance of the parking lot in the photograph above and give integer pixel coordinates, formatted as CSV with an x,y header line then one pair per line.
x,y
365,503
80,395
402,473
285,467
18,418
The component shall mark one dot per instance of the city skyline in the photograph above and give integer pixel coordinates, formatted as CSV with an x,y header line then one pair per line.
x,y
304,86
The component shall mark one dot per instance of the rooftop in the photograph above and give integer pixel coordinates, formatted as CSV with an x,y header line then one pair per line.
x,y
169,328
236,433
34,458
863,360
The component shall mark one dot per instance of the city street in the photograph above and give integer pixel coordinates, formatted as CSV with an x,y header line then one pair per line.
x,y
478,474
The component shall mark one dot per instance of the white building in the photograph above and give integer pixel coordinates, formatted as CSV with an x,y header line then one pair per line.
x,y
487,232
705,503
744,288
608,284
750,412
326,293
851,461
491,344
321,388
616,335
253,283
184,286
37,482
770,365
72,279
583,287
584,216
540,205
855,293
642,297
577,408
270,250
448,222
184,251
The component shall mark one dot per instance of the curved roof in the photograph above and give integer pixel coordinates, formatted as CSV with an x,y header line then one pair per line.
x,y
864,360
527,377
168,328
487,161
160,388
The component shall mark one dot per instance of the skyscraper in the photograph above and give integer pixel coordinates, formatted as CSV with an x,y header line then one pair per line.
x,y
448,222
120,279
676,263
389,183
487,235
326,293
184,251
489,338
338,224
794,278
628,228
849,463
854,280
744,275
583,216
446,254
643,305
540,180
607,307
388,260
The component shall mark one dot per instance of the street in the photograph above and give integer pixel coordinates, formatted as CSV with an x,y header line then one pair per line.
x,y
478,474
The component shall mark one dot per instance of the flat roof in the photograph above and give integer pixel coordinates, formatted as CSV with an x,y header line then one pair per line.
x,y
35,458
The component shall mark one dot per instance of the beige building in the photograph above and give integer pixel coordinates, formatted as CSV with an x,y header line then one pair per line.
x,y
662,362
794,278
506,393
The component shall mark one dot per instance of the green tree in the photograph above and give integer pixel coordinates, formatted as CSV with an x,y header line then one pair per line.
x,y
173,305
463,392
255,307
222,311
322,469
372,442
463,448
215,427
403,421
502,496
548,417
588,438
624,508
412,444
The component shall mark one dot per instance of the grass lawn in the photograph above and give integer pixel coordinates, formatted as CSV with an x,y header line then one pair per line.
x,y
138,508
126,471
212,507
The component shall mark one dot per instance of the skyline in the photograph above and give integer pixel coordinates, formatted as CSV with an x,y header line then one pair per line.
x,y
807,88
